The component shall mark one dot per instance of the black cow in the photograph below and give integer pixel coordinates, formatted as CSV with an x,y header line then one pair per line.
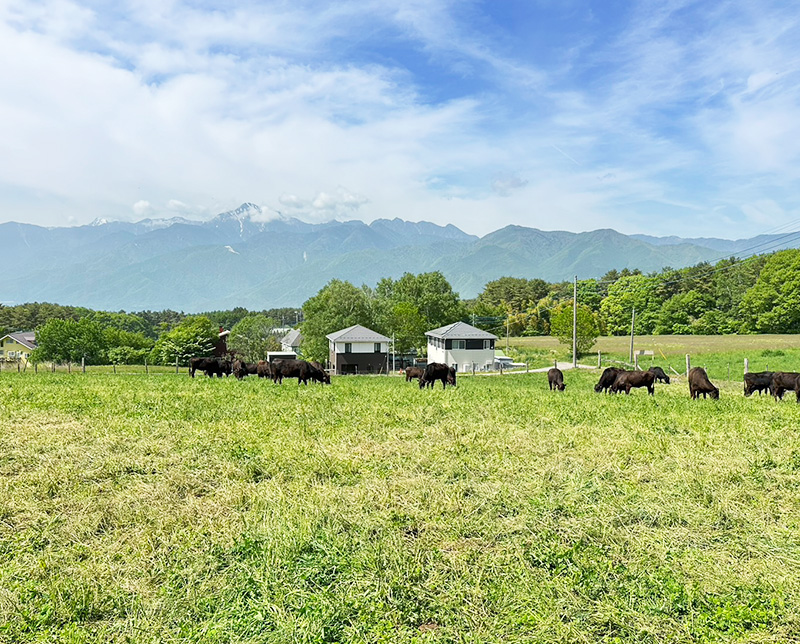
x,y
241,369
555,378
659,374
437,371
414,372
607,379
783,381
210,366
263,369
700,384
759,381
627,380
299,369
322,375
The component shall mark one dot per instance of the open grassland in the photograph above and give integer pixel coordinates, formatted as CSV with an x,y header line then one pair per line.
x,y
166,509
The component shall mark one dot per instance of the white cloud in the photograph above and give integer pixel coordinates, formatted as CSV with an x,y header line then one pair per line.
x,y
143,208
266,102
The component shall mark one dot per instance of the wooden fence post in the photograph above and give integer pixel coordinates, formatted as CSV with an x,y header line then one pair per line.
x,y
176,364
599,360
83,365
636,362
146,370
688,364
746,365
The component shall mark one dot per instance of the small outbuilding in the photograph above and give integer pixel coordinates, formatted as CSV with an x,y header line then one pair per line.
x,y
358,349
461,346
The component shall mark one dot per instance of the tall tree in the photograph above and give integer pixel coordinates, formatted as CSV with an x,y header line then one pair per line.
x,y
431,293
627,293
338,305
772,305
253,336
561,326
516,294
194,336
70,341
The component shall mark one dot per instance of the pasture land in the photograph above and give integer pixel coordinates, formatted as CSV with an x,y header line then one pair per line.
x,y
166,509
717,353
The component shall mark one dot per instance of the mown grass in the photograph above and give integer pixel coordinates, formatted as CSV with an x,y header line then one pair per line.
x,y
166,509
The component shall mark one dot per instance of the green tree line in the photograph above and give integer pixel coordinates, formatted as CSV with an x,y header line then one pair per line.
x,y
760,294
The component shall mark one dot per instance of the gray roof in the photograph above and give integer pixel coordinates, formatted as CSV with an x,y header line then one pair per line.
x,y
461,331
357,333
292,338
26,338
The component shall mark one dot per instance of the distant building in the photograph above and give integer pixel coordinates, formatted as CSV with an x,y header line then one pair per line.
x,y
461,346
17,347
291,341
358,349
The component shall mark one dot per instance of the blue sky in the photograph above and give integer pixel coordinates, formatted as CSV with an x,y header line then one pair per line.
x,y
667,118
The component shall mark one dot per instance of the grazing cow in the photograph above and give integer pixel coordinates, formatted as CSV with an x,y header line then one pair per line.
x,y
241,369
437,371
660,375
320,375
783,381
627,380
555,378
607,379
263,370
414,372
210,366
299,369
759,381
700,384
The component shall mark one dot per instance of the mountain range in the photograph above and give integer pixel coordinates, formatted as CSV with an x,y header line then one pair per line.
x,y
244,258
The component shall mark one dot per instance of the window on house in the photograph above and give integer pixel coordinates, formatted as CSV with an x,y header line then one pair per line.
x,y
348,347
377,347
487,344
459,344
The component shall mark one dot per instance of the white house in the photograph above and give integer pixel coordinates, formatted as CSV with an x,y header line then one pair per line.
x,y
358,349
291,341
461,346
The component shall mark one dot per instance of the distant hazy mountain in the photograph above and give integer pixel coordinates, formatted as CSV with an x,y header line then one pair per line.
x,y
252,258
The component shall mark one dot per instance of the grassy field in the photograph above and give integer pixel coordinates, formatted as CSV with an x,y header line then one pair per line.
x,y
719,354
164,509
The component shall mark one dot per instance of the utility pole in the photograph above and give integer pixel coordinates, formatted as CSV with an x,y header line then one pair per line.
x,y
633,320
575,325
507,326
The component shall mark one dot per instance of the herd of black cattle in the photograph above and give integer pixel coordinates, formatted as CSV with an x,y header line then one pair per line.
x,y
613,379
